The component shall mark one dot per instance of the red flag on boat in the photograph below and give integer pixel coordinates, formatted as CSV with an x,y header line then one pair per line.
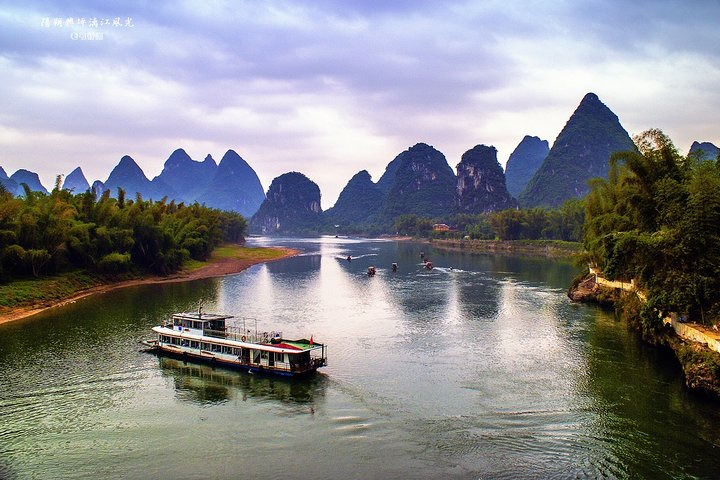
x,y
311,341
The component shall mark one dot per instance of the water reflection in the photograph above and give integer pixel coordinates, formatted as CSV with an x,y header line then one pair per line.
x,y
480,368
204,384
641,406
305,263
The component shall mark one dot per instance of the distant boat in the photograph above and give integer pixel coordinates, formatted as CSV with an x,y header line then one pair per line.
x,y
371,271
206,337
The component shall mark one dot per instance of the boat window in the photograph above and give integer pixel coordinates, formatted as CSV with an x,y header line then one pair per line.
x,y
205,346
264,355
280,357
194,344
237,351
227,350
216,347
256,356
175,341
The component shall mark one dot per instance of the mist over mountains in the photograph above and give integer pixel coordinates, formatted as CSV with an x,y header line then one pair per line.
x,y
418,181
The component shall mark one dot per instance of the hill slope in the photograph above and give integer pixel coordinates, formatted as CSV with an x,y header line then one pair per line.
x,y
581,151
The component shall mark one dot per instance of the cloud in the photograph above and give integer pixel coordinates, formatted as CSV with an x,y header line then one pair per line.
x,y
330,88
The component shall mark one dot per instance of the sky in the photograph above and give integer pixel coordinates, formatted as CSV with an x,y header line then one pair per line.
x,y
329,88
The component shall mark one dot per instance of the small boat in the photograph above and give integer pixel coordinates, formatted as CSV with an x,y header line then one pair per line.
x,y
207,337
394,267
371,271
428,265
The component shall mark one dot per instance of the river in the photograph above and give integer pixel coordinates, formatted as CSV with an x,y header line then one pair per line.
x,y
479,368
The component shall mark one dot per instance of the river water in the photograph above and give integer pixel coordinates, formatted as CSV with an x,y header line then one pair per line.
x,y
480,368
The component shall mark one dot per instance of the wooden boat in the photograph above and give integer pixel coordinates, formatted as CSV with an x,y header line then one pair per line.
x,y
207,337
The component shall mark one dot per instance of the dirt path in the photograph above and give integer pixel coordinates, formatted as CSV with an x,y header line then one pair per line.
x,y
216,268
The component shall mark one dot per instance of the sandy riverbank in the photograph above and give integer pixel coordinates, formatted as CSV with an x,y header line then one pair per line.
x,y
216,267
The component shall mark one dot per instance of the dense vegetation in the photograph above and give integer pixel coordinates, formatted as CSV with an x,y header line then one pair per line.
x,y
656,219
46,234
564,223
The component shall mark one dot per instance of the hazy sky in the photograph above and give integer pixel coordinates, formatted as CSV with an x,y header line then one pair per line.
x,y
329,88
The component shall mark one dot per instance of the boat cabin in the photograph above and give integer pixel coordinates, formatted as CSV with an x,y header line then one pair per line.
x,y
199,323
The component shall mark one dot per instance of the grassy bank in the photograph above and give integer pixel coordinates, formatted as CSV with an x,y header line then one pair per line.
x,y
23,297
37,291
236,252
537,248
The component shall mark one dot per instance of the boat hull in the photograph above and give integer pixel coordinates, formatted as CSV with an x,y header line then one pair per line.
x,y
219,362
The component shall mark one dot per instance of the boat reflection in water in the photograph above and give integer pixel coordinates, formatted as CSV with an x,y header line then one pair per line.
x,y
205,384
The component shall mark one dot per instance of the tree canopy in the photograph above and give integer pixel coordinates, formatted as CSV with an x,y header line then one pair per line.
x,y
49,233
656,219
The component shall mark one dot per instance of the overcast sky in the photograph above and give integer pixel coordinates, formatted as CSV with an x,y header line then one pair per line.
x,y
329,88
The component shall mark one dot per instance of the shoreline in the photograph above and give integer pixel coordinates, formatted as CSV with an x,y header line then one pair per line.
x,y
527,248
700,363
217,267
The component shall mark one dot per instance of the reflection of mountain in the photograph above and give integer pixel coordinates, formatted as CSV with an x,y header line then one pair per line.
x,y
205,384
300,263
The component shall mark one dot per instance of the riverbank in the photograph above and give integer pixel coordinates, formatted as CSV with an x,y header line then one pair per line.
x,y
699,362
536,248
37,295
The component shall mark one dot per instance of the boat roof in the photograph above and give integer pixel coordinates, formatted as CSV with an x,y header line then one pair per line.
x,y
201,316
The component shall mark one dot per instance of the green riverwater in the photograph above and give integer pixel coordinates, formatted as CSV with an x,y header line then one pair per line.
x,y
480,368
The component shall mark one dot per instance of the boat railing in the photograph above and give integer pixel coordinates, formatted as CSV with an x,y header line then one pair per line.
x,y
240,335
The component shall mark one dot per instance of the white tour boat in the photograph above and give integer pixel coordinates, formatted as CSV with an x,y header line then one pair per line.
x,y
205,336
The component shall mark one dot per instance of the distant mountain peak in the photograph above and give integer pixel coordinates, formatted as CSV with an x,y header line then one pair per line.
x,y
523,162
234,186
590,97
481,182
421,182
128,175
231,157
10,185
358,202
76,182
362,175
31,179
581,151
177,158
704,150
292,206
128,165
